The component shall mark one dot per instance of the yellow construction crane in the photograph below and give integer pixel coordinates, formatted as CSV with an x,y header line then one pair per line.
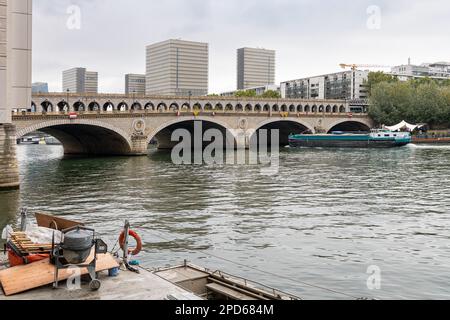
x,y
354,67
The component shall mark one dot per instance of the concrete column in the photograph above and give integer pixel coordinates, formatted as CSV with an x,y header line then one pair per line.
x,y
15,80
5,112
9,169
139,145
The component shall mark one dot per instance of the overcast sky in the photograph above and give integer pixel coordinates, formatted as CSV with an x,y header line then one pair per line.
x,y
311,37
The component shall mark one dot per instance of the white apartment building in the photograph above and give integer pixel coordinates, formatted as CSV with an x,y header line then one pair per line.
x,y
437,70
347,85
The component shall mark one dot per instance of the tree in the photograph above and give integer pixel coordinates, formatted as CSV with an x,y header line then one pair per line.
x,y
375,78
424,101
390,102
246,93
271,94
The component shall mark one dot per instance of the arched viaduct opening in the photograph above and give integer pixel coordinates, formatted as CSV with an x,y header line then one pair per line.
x,y
84,139
350,126
163,136
285,127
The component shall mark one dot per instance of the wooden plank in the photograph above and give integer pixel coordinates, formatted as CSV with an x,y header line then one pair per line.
x,y
230,293
23,278
47,221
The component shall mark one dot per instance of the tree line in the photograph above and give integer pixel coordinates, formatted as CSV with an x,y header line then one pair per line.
x,y
269,94
416,101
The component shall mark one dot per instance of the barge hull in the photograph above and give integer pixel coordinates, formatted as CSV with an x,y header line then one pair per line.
x,y
345,144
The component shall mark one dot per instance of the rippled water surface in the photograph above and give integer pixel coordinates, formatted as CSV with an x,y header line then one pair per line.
x,y
324,219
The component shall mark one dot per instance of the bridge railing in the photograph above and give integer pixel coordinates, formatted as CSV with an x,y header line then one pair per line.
x,y
189,113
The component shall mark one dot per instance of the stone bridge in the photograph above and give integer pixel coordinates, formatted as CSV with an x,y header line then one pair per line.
x,y
126,125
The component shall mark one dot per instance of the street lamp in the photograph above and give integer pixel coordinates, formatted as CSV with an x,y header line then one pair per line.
x,y
68,105
190,95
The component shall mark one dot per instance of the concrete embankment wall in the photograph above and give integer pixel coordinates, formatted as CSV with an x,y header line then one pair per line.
x,y
9,168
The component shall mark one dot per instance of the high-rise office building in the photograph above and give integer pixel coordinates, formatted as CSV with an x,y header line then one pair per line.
x,y
79,80
177,67
39,87
91,82
255,68
135,84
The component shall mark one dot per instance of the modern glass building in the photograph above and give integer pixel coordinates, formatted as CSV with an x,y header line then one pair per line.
x,y
39,87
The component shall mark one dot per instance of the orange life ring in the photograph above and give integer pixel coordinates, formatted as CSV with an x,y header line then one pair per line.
x,y
136,237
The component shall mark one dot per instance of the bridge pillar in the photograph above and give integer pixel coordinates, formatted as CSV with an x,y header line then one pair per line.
x,y
139,145
9,168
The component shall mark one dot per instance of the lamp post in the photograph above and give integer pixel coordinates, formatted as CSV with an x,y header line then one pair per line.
x,y
190,95
67,101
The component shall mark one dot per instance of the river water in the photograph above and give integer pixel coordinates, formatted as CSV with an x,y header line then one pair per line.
x,y
324,219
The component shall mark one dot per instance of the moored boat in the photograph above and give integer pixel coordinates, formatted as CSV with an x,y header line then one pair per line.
x,y
379,138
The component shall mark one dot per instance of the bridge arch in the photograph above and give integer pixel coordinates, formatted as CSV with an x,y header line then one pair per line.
x,y
79,106
335,109
109,107
285,127
136,106
350,125
174,106
197,107
163,133
122,106
84,137
93,106
149,106
63,106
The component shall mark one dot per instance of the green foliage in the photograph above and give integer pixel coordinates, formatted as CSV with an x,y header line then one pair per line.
x,y
246,93
213,95
271,94
379,77
416,101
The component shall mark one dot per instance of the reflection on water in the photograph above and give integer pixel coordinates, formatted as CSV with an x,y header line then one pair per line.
x,y
324,219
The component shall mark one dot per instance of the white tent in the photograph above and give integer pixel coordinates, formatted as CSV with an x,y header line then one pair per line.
x,y
404,126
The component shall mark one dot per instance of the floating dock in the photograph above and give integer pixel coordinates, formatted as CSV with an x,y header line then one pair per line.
x,y
126,286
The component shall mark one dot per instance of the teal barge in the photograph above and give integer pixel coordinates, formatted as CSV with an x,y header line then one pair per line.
x,y
374,139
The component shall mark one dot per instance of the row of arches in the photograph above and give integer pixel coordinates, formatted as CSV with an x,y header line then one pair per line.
x,y
79,106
